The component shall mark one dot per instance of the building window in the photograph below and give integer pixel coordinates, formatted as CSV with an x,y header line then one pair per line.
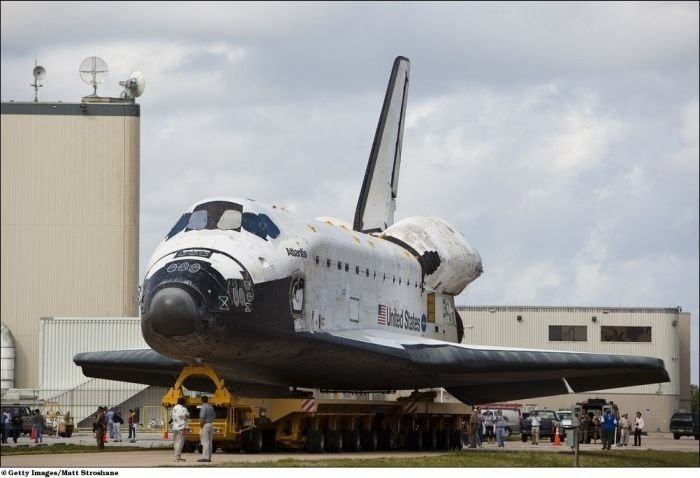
x,y
620,333
568,333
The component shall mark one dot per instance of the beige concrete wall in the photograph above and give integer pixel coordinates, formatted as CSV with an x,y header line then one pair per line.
x,y
70,223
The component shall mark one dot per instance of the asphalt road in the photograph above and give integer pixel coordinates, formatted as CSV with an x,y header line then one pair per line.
x,y
164,457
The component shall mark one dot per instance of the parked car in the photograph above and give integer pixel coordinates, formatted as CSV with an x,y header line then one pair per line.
x,y
549,421
685,424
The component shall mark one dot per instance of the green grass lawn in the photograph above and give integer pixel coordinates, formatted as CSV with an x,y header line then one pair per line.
x,y
59,449
496,459
479,459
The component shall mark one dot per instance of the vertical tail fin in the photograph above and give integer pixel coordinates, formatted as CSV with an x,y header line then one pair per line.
x,y
377,202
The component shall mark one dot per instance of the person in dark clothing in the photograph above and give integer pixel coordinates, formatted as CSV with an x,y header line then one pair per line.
x,y
16,423
98,427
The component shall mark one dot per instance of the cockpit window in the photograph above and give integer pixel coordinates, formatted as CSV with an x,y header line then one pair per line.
x,y
179,225
225,216
260,225
230,220
272,229
198,220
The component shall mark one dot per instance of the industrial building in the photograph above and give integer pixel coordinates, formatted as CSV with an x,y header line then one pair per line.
x,y
70,219
654,332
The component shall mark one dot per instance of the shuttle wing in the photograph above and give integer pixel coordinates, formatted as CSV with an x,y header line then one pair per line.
x,y
148,367
143,366
482,374
377,202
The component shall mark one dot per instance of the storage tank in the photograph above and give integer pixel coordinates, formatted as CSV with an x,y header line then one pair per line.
x,y
7,363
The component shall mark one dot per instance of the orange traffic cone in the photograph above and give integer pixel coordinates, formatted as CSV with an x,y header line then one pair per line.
x,y
165,433
557,438
32,434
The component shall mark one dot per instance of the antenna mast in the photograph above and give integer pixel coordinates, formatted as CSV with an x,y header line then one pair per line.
x,y
39,73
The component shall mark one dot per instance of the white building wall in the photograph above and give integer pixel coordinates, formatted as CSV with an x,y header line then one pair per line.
x,y
63,382
500,326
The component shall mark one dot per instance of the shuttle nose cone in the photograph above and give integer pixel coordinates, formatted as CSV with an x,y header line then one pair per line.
x,y
173,312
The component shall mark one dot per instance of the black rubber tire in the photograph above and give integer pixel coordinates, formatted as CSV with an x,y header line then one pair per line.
x,y
255,444
430,440
334,441
386,440
351,441
415,440
456,440
370,441
523,438
269,441
509,432
676,436
445,440
315,441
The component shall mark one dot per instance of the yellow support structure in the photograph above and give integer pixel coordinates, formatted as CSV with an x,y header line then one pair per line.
x,y
222,396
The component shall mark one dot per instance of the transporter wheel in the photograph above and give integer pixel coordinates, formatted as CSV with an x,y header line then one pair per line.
x,y
509,432
430,440
415,440
456,439
444,440
351,441
269,441
523,437
370,441
255,444
189,447
386,440
676,436
315,441
334,441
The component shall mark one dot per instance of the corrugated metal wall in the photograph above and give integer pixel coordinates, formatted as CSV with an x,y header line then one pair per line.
x,y
70,188
63,382
62,338
499,326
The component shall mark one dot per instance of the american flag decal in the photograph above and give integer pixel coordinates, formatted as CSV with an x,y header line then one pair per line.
x,y
381,315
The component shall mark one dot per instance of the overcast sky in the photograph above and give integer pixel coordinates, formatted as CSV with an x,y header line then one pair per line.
x,y
560,139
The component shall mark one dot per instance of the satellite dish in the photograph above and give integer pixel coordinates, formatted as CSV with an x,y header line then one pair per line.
x,y
134,86
93,71
39,72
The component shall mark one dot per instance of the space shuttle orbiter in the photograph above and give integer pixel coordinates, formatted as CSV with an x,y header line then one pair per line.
x,y
273,301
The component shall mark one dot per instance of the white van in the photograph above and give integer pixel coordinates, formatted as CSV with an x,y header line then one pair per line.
x,y
512,417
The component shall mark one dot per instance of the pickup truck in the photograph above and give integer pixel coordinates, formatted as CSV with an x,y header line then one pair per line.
x,y
548,423
685,424
25,413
